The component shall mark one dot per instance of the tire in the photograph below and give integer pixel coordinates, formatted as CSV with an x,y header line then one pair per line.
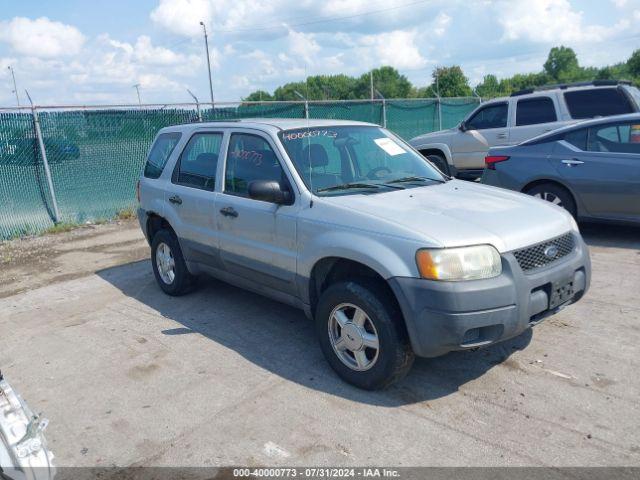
x,y
393,358
555,194
440,162
181,281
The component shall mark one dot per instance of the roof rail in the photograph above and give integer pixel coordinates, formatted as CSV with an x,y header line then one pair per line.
x,y
564,86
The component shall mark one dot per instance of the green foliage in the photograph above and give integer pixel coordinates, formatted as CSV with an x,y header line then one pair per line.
x,y
561,66
633,64
451,82
259,96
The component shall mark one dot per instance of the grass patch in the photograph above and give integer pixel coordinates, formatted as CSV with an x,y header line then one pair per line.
x,y
61,228
126,213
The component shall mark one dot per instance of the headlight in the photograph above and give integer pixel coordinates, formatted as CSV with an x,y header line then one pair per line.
x,y
455,264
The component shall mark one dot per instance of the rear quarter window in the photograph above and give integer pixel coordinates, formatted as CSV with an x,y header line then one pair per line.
x,y
160,153
535,110
597,102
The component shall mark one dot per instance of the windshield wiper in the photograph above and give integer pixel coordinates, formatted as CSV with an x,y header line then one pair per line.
x,y
346,186
416,179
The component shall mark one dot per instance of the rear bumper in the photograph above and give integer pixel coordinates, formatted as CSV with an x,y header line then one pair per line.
x,y
446,316
143,218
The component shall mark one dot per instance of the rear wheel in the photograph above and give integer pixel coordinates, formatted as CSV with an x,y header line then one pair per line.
x,y
168,264
440,162
555,194
362,335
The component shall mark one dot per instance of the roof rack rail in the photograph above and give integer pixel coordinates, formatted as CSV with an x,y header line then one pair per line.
x,y
564,86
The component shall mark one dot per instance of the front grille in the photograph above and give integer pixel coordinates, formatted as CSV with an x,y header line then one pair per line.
x,y
543,253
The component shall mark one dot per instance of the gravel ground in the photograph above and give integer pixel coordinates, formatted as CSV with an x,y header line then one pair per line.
x,y
129,376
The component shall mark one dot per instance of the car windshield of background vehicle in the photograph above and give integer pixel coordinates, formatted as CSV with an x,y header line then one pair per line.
x,y
356,159
598,102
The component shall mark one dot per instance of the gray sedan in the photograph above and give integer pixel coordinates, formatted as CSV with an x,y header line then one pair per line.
x,y
592,169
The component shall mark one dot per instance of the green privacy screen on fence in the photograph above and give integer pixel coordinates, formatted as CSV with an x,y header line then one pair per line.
x,y
95,154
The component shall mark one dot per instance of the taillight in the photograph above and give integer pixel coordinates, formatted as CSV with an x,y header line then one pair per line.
x,y
138,191
491,160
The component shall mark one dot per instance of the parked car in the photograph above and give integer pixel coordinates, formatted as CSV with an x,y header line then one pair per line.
x,y
23,447
525,114
347,222
592,169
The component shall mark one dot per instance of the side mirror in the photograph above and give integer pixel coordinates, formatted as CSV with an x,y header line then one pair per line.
x,y
462,126
269,191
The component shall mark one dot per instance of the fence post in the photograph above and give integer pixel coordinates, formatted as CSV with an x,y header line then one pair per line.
x,y
384,113
306,109
43,152
439,113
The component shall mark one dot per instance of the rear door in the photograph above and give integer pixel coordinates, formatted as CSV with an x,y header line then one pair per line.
x,y
257,239
486,128
602,166
192,198
533,116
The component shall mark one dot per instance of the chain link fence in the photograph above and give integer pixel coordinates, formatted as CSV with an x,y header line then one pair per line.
x,y
95,154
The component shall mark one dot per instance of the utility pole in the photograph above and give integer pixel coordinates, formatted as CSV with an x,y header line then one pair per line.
x,y
306,102
15,89
137,87
371,83
206,46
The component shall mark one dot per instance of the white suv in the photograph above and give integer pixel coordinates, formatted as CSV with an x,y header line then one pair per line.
x,y
525,114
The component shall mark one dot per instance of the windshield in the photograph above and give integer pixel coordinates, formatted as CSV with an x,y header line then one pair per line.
x,y
356,159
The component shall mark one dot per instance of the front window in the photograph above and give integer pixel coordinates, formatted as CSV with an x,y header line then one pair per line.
x,y
490,116
355,159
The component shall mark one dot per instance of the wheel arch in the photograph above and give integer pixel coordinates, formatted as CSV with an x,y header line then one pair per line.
x,y
558,183
332,269
155,223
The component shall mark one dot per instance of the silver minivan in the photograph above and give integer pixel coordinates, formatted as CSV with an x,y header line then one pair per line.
x,y
346,221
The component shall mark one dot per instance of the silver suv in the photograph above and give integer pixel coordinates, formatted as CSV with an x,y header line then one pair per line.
x,y
347,222
460,151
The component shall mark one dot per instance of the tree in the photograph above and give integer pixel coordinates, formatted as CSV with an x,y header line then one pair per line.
x,y
258,96
633,64
489,87
562,64
387,80
451,82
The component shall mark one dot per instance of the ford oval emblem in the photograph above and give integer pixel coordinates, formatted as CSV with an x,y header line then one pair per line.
x,y
551,252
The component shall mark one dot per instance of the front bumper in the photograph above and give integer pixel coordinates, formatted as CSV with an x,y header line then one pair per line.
x,y
446,316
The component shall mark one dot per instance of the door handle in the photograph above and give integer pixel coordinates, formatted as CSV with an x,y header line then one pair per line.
x,y
573,162
175,199
229,212
501,135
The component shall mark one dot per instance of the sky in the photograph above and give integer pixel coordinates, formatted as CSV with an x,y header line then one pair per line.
x,y
79,52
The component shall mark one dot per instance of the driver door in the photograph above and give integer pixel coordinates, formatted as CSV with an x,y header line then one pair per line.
x,y
486,128
257,238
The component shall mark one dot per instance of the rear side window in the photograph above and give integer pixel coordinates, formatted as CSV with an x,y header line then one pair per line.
x,y
597,102
535,110
491,116
160,153
199,162
577,138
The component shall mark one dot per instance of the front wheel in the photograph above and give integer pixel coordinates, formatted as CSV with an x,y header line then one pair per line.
x,y
440,162
362,334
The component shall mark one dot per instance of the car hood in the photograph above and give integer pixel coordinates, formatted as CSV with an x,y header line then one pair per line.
x,y
459,213
432,137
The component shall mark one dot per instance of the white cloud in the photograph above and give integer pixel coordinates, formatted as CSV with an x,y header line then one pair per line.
x,y
41,37
441,24
548,21
303,46
398,49
183,16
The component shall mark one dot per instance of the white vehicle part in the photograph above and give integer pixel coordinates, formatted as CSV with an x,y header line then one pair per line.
x,y
23,449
